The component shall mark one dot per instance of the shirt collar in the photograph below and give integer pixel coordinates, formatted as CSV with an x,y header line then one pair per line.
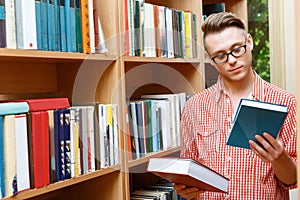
x,y
257,91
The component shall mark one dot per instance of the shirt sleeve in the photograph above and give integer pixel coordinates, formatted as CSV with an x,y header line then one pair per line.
x,y
288,137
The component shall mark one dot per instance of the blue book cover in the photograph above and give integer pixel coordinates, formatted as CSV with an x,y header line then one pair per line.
x,y
2,25
57,25
62,23
73,26
51,25
38,24
59,144
68,24
44,27
9,108
2,172
255,117
67,140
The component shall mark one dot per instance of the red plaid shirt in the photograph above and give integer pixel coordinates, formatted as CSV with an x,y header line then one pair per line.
x,y
206,122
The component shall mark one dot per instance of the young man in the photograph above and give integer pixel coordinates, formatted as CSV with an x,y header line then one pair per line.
x,y
259,173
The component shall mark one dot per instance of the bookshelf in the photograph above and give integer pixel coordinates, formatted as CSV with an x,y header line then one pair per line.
x,y
105,78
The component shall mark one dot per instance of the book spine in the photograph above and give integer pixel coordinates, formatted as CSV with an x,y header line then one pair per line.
x,y
73,26
22,160
91,26
2,25
57,25
10,23
10,161
85,27
26,24
59,145
38,24
68,25
51,26
67,144
78,26
43,24
62,19
44,147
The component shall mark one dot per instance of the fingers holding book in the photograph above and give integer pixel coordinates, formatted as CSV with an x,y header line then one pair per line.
x,y
187,192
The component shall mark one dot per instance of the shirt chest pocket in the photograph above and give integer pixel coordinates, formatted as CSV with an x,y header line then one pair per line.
x,y
207,139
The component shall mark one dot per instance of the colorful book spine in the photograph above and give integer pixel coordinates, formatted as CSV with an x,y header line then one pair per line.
x,y
51,25
2,24
78,26
73,26
62,20
43,23
86,45
59,144
67,143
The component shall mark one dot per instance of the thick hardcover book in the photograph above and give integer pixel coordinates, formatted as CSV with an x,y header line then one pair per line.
x,y
45,103
78,26
62,20
188,172
2,165
43,25
86,45
51,25
38,139
255,117
10,24
9,151
26,24
59,144
22,159
13,108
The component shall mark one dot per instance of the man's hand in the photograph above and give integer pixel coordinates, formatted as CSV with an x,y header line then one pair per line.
x,y
187,192
273,152
273,148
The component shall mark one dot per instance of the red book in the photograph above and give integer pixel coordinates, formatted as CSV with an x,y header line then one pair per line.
x,y
45,103
188,172
38,132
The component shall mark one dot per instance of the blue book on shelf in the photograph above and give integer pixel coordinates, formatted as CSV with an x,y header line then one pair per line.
x,y
73,26
9,108
51,25
59,144
68,24
57,25
2,25
38,24
67,141
2,171
44,27
255,117
62,23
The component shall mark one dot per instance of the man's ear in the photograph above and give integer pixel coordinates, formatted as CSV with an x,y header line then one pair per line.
x,y
250,41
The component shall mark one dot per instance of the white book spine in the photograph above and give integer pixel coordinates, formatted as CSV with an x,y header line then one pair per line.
x,y
91,137
116,134
10,24
26,24
23,180
91,23
72,141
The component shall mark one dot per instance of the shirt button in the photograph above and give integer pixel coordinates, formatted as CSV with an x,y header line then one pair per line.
x,y
226,196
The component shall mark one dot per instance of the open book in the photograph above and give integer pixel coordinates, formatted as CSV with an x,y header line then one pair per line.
x,y
255,117
188,172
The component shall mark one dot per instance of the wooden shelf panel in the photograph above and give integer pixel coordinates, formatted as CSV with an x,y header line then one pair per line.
x,y
145,159
21,55
62,184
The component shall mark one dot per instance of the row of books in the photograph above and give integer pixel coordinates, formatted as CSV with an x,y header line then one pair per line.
x,y
159,31
52,25
43,141
163,190
154,123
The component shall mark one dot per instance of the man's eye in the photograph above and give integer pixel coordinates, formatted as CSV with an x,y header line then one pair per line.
x,y
221,56
237,50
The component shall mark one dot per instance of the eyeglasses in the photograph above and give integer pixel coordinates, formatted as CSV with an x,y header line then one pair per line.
x,y
237,52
